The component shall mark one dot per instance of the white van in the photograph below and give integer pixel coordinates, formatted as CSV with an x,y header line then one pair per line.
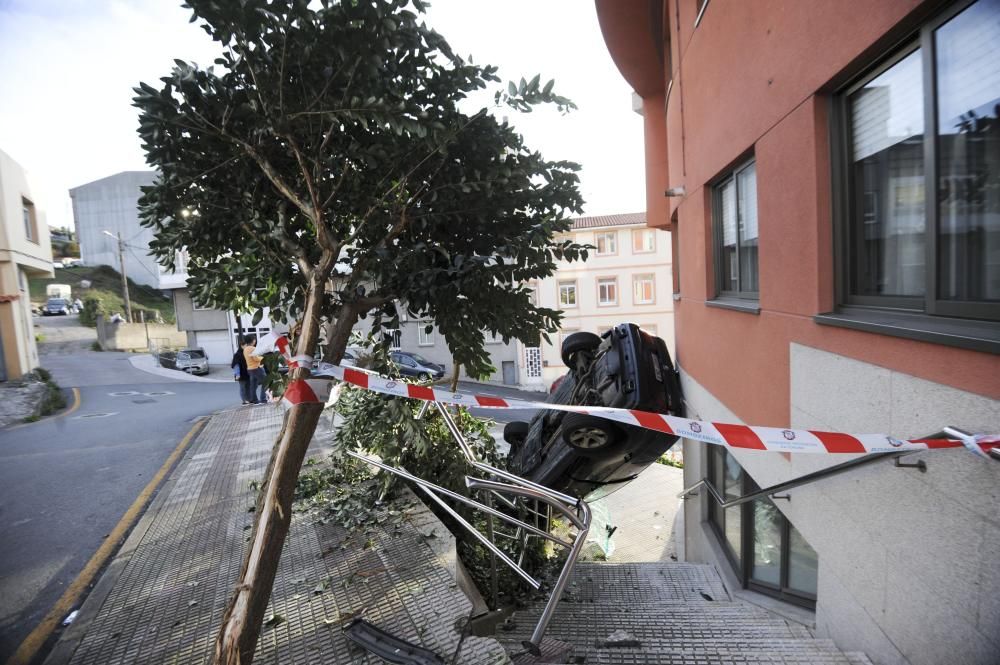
x,y
58,291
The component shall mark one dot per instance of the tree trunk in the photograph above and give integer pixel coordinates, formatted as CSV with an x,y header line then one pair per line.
x,y
457,368
241,624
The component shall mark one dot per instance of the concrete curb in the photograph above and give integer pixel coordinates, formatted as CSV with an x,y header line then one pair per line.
x,y
145,363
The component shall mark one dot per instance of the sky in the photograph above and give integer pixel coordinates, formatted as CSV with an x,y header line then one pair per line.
x,y
69,67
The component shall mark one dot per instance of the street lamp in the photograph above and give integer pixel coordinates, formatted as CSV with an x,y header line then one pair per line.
x,y
121,263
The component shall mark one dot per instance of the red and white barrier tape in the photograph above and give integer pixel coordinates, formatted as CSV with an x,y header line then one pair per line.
x,y
742,437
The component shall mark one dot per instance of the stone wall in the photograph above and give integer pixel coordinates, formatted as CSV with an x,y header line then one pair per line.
x,y
136,336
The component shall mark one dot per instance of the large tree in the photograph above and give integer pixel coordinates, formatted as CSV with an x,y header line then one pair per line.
x,y
327,167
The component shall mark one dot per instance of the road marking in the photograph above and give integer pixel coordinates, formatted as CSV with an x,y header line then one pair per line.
x,y
159,393
37,638
96,415
125,393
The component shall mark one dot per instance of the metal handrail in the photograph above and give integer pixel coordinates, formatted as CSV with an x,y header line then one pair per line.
x,y
947,432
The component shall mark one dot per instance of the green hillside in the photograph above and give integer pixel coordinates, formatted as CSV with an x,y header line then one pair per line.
x,y
106,289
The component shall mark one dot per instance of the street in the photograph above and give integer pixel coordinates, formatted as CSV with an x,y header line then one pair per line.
x,y
66,481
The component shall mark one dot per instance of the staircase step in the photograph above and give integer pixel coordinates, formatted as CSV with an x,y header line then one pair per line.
x,y
634,583
579,624
710,652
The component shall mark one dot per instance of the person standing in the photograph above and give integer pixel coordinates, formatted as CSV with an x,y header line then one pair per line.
x,y
241,373
255,371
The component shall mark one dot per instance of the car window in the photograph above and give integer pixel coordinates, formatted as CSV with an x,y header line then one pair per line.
x,y
183,356
407,361
195,354
420,359
58,302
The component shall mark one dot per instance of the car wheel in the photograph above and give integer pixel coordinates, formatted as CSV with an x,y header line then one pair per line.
x,y
515,432
578,341
585,432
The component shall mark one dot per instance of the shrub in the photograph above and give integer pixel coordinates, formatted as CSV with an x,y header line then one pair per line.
x,y
99,302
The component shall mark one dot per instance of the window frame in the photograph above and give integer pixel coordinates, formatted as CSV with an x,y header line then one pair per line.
x,y
641,234
742,561
731,174
607,278
614,242
424,338
844,200
30,220
651,276
576,293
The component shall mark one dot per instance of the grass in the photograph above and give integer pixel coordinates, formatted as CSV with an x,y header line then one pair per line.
x,y
105,287
54,399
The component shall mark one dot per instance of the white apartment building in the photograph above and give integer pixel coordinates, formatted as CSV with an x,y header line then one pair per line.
x,y
111,205
626,278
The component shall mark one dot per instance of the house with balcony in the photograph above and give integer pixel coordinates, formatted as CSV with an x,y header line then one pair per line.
x,y
830,175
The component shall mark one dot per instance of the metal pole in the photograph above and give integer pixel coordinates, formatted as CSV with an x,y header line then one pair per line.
x,y
121,261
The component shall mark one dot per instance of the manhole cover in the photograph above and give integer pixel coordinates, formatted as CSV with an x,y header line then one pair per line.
x,y
125,393
158,394
96,415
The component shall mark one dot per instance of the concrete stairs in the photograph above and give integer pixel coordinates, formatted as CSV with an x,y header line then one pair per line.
x,y
679,613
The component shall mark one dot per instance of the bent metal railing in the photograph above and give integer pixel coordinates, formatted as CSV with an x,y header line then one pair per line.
x,y
516,493
772,491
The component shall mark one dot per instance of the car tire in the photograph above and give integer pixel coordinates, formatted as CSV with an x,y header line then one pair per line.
x,y
515,432
578,341
588,433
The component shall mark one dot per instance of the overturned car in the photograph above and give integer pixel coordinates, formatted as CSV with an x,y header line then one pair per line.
x,y
587,456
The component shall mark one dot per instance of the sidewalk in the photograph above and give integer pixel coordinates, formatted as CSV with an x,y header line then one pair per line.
x,y
162,598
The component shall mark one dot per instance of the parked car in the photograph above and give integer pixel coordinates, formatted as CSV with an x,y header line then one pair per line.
x,y
192,361
587,456
56,307
414,364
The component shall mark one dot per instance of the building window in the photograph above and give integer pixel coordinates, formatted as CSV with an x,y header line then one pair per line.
x,y
644,289
607,243
643,241
394,337
607,291
567,293
425,334
735,212
921,156
767,552
30,222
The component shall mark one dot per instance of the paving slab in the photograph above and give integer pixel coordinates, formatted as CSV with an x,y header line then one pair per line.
x,y
163,597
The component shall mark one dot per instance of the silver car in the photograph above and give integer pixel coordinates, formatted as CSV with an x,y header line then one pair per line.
x,y
192,361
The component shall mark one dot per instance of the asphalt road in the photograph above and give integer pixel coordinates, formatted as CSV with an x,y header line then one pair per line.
x,y
65,482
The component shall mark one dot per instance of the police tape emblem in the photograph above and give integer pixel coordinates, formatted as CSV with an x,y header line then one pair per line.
x,y
895,443
788,434
695,427
391,384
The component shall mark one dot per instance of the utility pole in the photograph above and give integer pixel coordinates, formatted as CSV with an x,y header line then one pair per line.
x,y
121,264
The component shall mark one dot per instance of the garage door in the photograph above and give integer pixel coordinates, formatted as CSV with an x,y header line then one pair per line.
x,y
217,345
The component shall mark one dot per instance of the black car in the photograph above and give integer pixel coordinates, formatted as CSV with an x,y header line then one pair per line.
x,y
414,364
587,456
56,307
